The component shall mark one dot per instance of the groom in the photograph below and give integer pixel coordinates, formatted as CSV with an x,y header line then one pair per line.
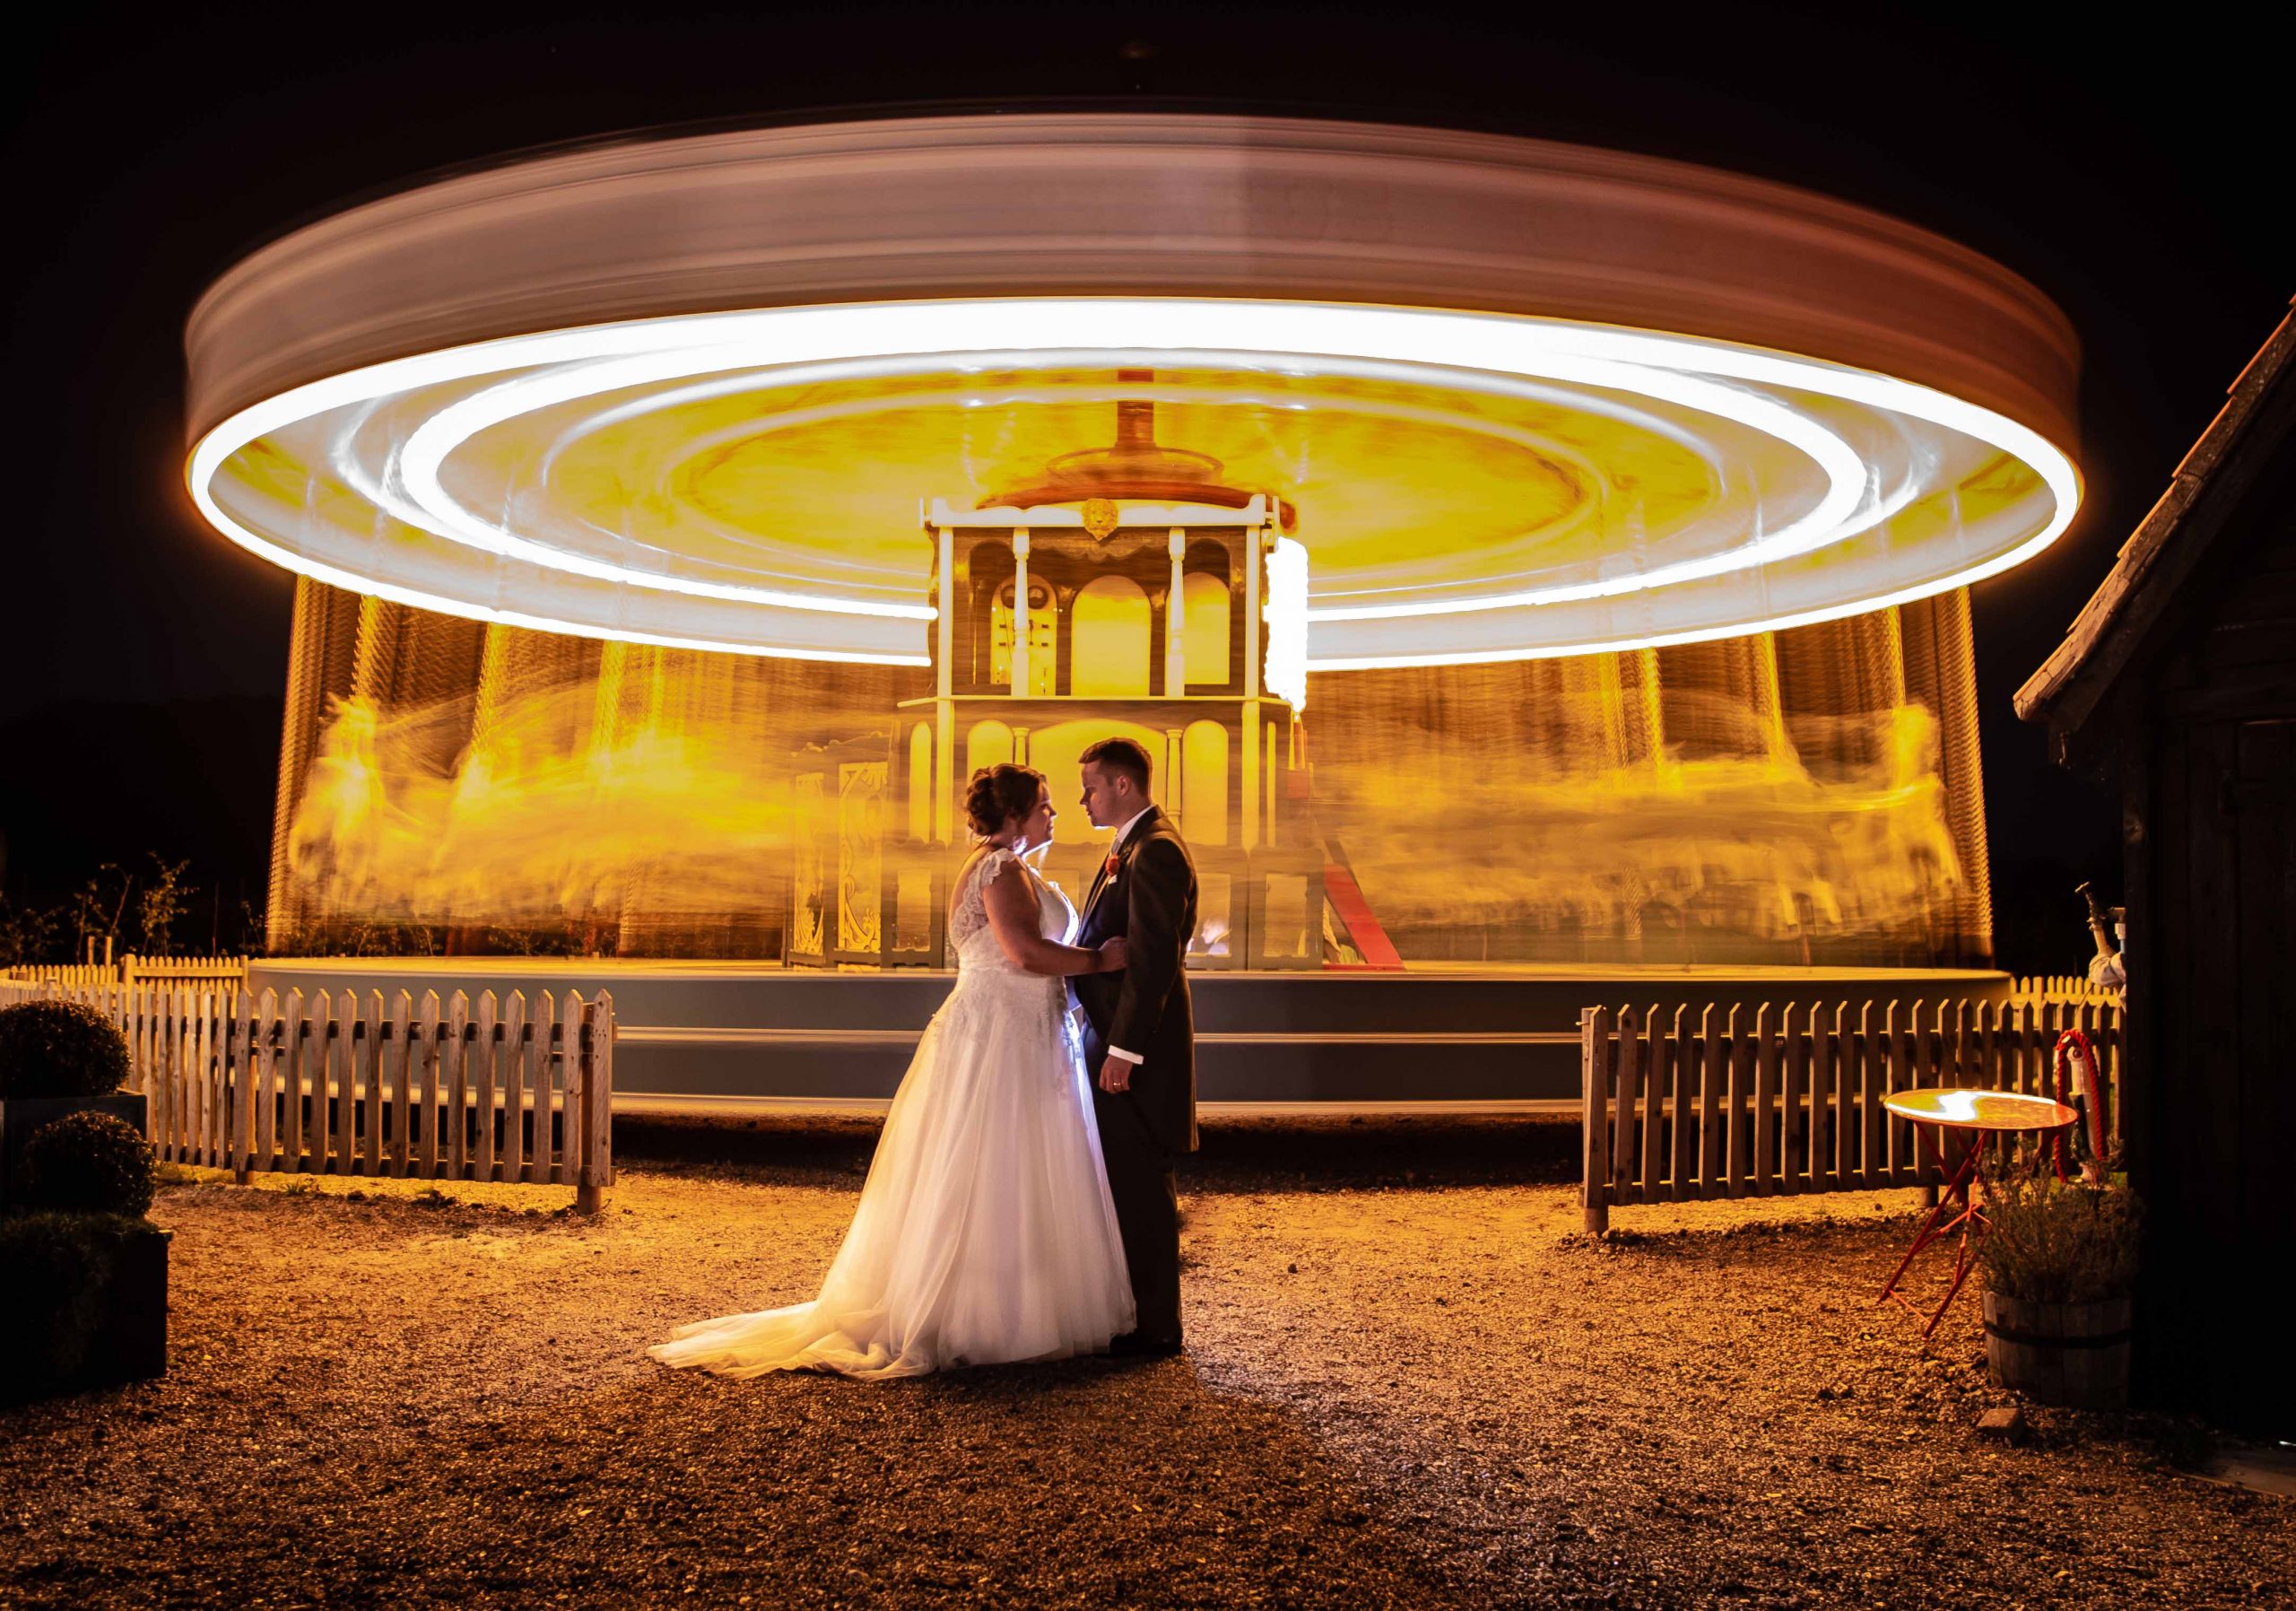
x,y
1141,1039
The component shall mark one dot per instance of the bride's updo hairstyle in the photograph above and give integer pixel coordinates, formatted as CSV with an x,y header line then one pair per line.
x,y
1000,793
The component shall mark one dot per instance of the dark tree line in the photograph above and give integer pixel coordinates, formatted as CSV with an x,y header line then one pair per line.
x,y
156,912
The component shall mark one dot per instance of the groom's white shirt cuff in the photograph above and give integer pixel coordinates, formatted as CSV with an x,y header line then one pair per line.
x,y
1115,845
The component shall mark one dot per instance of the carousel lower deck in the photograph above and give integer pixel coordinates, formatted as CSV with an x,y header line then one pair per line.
x,y
699,1036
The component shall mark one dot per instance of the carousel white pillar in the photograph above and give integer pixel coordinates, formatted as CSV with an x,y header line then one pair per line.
x,y
1019,611
1256,549
944,724
1176,623
1255,592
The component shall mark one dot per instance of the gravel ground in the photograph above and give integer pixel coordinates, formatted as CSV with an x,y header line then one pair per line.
x,y
1411,1382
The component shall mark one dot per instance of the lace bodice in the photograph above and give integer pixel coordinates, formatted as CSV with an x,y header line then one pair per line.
x,y
978,951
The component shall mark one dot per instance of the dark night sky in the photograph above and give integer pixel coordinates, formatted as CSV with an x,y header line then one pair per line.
x,y
2117,173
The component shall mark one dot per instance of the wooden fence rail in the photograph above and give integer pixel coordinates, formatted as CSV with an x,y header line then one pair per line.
x,y
335,1083
1788,1098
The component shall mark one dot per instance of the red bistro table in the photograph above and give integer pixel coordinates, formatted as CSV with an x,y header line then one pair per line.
x,y
1983,1115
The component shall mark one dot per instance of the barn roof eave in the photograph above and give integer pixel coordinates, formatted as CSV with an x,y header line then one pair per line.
x,y
2077,679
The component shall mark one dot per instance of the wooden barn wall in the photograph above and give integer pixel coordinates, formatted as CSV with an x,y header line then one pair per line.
x,y
2210,832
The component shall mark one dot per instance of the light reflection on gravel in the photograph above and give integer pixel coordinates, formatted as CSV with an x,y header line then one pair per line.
x,y
1409,1382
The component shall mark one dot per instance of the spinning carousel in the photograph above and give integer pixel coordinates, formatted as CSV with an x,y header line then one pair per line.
x,y
1540,574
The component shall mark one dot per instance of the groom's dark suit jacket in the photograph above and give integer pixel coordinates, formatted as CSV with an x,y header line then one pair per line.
x,y
1151,901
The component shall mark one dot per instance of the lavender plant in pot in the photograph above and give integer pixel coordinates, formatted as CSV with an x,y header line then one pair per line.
x,y
2059,1266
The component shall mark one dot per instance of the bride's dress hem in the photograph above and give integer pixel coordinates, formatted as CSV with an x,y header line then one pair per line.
x,y
859,1369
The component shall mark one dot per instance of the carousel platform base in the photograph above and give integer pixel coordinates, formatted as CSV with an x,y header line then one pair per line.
x,y
747,1037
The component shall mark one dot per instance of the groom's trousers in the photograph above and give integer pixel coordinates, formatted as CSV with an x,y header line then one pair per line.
x,y
1147,1195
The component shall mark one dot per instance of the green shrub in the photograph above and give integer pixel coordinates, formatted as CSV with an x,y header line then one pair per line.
x,y
90,1164
57,1269
2060,1242
60,1049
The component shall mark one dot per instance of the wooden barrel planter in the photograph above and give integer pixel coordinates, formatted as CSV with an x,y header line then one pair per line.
x,y
2074,1355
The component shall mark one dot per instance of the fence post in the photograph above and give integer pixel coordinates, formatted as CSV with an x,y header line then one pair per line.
x,y
605,1089
597,1156
1594,1079
240,1071
1654,1101
434,1052
1871,1170
1710,1105
486,1048
401,1046
1737,1097
1926,1073
1768,1124
1629,1065
458,1084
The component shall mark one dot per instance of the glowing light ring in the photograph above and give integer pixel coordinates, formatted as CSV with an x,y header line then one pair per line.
x,y
861,407
1007,334
886,337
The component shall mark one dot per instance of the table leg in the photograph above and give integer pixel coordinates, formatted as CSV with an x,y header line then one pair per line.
x,y
1972,1224
1921,1238
1931,1231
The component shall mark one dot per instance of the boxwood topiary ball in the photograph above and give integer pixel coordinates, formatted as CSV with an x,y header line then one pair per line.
x,y
60,1049
88,1163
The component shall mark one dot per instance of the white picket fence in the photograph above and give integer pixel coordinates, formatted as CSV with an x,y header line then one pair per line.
x,y
16,983
335,1083
2072,987
221,971
134,969
1785,1099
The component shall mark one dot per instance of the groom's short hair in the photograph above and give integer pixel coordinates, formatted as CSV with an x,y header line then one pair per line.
x,y
1119,755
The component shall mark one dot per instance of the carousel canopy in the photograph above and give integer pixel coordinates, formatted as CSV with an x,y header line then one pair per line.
x,y
1527,399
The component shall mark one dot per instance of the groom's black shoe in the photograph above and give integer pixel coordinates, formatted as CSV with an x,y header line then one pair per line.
x,y
1132,1344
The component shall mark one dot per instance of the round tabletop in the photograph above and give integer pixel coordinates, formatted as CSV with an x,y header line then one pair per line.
x,y
1980,1110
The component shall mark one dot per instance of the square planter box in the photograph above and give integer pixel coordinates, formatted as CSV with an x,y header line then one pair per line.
x,y
133,1344
126,1338
21,1117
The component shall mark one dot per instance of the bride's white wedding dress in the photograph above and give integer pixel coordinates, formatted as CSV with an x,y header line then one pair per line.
x,y
985,1231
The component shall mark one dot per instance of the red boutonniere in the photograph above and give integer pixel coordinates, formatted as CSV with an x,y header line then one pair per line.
x,y
1113,862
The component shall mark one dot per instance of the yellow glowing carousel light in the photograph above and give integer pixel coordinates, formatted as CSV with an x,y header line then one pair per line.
x,y
851,337
808,345
1767,623
1456,419
423,458
837,342
459,524
334,576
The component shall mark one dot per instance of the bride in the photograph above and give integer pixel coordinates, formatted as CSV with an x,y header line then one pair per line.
x,y
985,1231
